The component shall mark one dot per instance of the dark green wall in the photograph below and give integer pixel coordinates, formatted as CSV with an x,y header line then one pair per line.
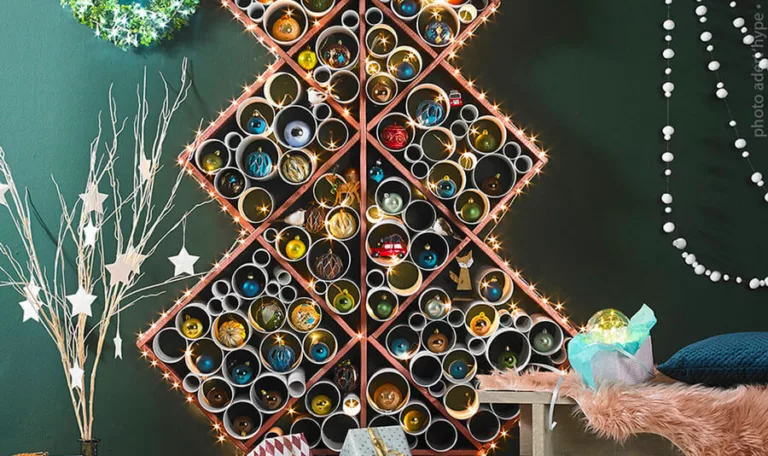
x,y
585,75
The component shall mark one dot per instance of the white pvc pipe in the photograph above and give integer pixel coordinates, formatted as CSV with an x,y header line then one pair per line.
x,y
288,294
297,383
426,369
441,435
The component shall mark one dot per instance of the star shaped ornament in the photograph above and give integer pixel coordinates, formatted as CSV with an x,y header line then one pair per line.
x,y
3,189
118,341
30,311
76,376
81,302
120,271
90,231
183,263
145,168
93,201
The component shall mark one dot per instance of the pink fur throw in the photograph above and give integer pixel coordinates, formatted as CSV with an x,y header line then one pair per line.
x,y
700,421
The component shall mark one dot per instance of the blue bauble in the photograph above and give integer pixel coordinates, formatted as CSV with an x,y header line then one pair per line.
x,y
281,358
205,364
405,70
400,347
458,369
297,133
446,188
428,259
430,113
257,125
376,172
242,374
493,291
407,8
259,164
250,287
438,32
319,352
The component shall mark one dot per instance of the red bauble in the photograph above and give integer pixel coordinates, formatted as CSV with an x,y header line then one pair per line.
x,y
394,136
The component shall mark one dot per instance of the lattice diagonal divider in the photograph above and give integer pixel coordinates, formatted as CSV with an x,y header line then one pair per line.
x,y
363,137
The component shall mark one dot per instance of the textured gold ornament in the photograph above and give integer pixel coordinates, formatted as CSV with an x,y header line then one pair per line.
x,y
231,334
296,168
286,28
342,224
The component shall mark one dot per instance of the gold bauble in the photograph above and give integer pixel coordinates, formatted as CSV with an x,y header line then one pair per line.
x,y
305,317
231,334
296,168
414,420
321,404
388,397
192,328
307,59
480,324
295,248
286,28
437,342
342,224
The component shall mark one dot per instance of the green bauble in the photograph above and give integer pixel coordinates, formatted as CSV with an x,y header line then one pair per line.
x,y
507,360
344,302
319,6
212,161
485,142
384,308
471,211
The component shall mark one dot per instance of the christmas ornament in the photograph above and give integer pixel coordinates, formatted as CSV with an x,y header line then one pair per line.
x,y
270,315
192,328
384,307
183,263
243,425
485,142
307,59
492,290
455,99
336,55
297,134
231,183
543,341
381,92
345,376
458,369
491,185
318,6
437,32
463,280
205,364
321,404
507,359
257,124
319,352
231,334
428,258
392,203
212,161
392,246
217,397
344,302
437,342
376,173
446,187
471,211
372,67
414,420
271,400
430,113
405,70
250,287
342,224
259,164
480,324
351,405
435,308
407,8
314,219
296,168
281,357
394,136
608,326
388,397
351,175
295,248
241,373
328,266
305,316
400,347
286,28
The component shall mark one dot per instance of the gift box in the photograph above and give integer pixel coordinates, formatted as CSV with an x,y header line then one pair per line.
x,y
609,365
287,445
378,441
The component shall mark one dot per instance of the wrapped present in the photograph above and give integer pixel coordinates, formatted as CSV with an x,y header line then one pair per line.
x,y
287,445
614,348
378,441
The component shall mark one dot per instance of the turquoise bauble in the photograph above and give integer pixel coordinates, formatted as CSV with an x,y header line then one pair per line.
x,y
492,291
400,347
319,352
446,188
250,287
405,71
257,125
438,32
242,373
458,369
281,358
392,203
376,173
430,113
407,8
205,364
427,258
259,164
297,134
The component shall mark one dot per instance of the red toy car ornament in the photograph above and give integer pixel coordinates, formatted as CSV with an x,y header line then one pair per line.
x,y
454,98
391,246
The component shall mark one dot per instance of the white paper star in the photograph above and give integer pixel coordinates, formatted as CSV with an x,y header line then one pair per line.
x,y
93,200
118,346
30,311
76,376
183,263
120,271
81,302
4,188
134,258
32,291
145,168
90,231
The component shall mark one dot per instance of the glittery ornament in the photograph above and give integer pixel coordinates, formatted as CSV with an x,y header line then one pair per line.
x,y
249,287
270,315
428,259
321,404
314,219
243,425
241,373
281,357
384,307
297,134
231,334
437,32
257,124
318,6
507,359
286,28
388,397
543,342
259,164
296,168
217,397
376,173
458,369
437,342
307,59
212,161
394,136
336,55
295,248
345,376
319,352
192,328
306,316
435,308
392,203
446,187
231,183
480,324
407,8
485,142
491,185
492,290
271,400
430,113
381,92
328,266
400,347
205,364
471,211
344,301
414,420
608,326
342,224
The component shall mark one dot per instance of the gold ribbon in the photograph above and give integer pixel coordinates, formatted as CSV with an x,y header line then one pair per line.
x,y
379,446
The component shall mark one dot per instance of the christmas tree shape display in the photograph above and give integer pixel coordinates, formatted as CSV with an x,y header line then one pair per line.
x,y
366,173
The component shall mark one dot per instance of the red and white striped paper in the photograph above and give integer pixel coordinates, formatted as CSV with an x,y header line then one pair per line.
x,y
288,445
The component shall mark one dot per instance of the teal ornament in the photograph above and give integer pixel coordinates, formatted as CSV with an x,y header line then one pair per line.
x,y
257,125
392,203
242,373
400,347
405,70
376,173
428,259
438,32
205,364
250,287
407,8
259,164
319,352
492,291
446,188
232,184
458,369
297,134
430,113
281,357
543,342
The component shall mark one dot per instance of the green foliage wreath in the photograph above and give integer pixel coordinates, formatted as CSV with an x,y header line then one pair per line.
x,y
133,25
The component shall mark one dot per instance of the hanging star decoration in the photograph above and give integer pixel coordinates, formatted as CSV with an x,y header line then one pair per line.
x,y
145,168
81,302
90,231
118,341
3,189
93,201
76,376
124,266
183,263
30,305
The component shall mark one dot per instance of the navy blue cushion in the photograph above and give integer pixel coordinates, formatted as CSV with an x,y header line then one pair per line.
x,y
726,360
